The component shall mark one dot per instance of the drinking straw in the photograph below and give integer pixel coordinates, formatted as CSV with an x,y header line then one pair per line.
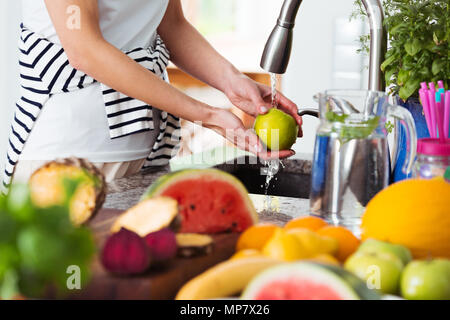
x,y
447,114
440,122
432,104
441,84
423,86
426,107
440,98
432,86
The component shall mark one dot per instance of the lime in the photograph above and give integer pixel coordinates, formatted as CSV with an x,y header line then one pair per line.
x,y
276,129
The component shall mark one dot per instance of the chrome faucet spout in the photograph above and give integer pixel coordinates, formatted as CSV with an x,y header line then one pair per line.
x,y
278,48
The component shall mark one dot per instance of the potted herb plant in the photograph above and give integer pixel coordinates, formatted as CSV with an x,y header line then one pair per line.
x,y
418,51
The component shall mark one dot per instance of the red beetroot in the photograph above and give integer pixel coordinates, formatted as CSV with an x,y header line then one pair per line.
x,y
125,253
162,245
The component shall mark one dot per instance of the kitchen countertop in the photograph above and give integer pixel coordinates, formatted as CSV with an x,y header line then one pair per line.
x,y
126,192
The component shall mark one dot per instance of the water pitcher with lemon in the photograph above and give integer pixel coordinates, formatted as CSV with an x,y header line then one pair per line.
x,y
351,157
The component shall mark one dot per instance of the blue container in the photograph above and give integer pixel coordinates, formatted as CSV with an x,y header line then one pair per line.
x,y
414,106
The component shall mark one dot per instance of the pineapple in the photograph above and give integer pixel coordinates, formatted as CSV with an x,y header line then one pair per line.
x,y
47,188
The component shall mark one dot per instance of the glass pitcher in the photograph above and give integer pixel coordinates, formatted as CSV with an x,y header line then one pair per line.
x,y
351,156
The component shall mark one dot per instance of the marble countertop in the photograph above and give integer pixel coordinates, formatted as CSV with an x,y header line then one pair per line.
x,y
126,192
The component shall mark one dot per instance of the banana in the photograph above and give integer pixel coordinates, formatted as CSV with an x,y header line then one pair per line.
x,y
225,279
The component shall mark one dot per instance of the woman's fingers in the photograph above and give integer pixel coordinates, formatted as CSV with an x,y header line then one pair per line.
x,y
272,155
249,141
290,107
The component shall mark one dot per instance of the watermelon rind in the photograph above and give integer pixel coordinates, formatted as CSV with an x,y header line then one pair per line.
x,y
346,284
166,181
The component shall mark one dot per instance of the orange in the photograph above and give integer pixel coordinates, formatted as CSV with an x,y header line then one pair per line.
x,y
256,236
348,243
310,222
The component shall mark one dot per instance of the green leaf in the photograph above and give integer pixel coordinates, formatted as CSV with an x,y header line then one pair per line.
x,y
388,75
413,46
334,117
438,66
387,62
410,87
402,77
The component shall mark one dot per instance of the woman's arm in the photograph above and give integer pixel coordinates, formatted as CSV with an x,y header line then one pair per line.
x,y
89,52
192,53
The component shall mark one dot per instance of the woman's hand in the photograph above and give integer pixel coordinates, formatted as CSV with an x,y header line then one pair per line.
x,y
255,98
231,127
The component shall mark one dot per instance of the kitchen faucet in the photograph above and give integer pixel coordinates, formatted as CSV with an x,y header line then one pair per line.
x,y
277,52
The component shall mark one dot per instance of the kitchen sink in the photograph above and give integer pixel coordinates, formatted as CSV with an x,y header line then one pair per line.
x,y
293,180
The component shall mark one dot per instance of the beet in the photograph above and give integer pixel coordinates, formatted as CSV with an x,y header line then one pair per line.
x,y
125,253
162,245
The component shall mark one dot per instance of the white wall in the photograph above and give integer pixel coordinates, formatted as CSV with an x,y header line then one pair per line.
x,y
10,14
312,62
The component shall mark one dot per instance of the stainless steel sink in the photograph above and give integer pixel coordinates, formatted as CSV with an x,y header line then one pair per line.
x,y
293,180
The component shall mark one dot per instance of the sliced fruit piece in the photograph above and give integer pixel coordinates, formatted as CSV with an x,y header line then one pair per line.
x,y
285,247
307,281
348,242
310,222
226,279
312,242
247,253
193,245
148,216
47,187
256,236
211,201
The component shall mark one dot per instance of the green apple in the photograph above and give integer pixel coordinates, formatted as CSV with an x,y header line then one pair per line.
x,y
372,245
381,271
426,280
276,129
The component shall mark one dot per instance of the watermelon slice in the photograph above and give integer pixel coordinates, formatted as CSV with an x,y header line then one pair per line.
x,y
307,281
210,200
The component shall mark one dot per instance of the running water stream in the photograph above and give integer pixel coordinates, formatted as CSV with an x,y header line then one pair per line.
x,y
272,166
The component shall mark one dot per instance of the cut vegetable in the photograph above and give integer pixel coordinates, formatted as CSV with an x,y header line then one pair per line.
x,y
149,216
47,187
211,201
192,245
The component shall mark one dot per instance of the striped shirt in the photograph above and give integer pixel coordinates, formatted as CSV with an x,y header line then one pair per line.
x,y
45,70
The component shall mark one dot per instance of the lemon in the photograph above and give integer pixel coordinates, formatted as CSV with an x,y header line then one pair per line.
x,y
276,129
313,243
284,246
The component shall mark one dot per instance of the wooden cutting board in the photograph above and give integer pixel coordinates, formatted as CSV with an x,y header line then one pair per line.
x,y
159,284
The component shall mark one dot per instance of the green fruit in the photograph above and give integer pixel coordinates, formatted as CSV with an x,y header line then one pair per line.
x,y
426,280
276,129
372,245
381,271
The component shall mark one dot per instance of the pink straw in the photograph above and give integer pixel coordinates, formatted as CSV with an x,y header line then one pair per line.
x,y
440,122
432,86
447,114
423,86
426,107
432,105
441,84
